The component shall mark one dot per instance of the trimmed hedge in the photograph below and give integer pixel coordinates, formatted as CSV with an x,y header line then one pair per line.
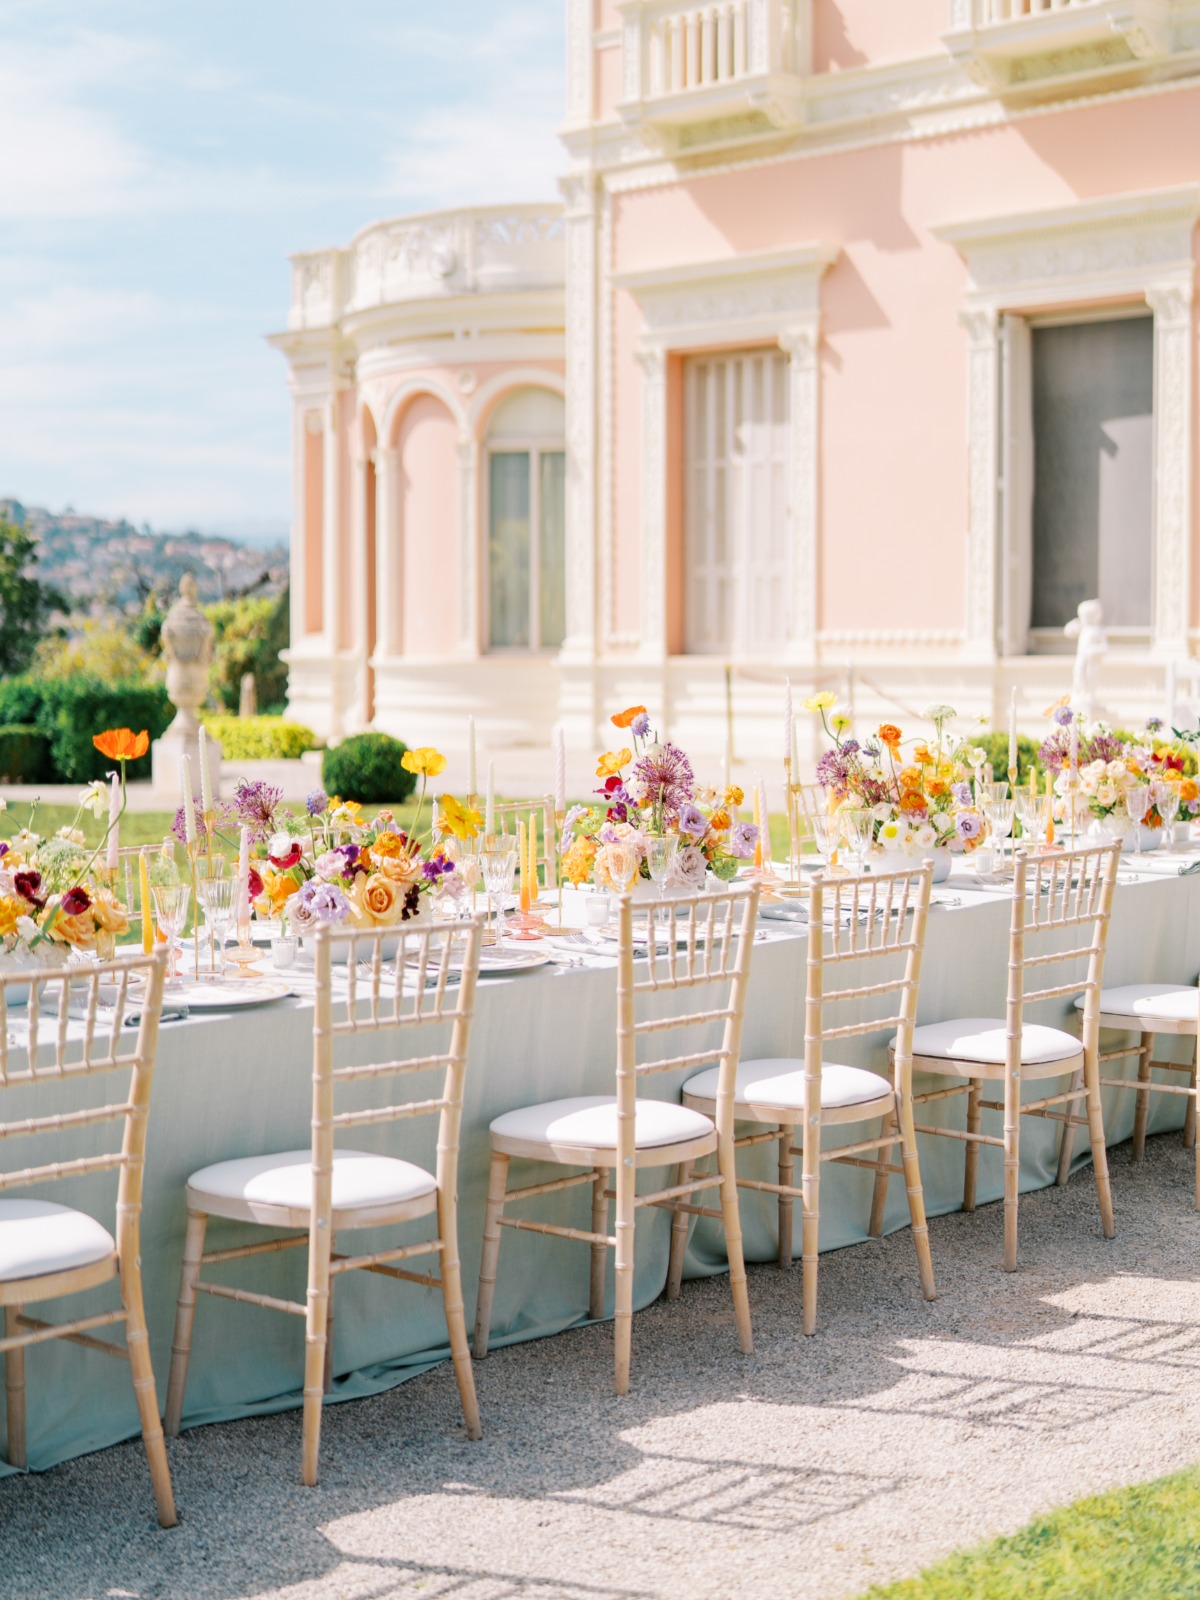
x,y
367,768
260,738
68,711
24,754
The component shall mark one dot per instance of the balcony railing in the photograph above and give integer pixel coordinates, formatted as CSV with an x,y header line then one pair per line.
x,y
484,250
685,62
1013,43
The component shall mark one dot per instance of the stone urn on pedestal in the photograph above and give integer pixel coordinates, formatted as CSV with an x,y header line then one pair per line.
x,y
187,641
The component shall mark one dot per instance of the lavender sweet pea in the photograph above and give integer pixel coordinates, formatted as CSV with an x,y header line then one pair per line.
x,y
961,793
743,837
968,825
640,726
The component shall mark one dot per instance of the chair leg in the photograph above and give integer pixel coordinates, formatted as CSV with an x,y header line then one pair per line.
x,y
731,1221
137,1342
626,1209
1141,1114
974,1122
1012,1165
1066,1145
679,1234
497,1183
916,1196
1189,1119
185,1317
1095,1115
327,1373
599,1252
879,1194
456,1320
810,1225
14,1385
787,1203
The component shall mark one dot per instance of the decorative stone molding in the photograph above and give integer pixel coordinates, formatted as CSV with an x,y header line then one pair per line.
x,y
1071,39
1123,248
772,297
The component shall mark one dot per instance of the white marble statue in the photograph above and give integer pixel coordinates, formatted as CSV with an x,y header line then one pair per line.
x,y
1091,641
187,643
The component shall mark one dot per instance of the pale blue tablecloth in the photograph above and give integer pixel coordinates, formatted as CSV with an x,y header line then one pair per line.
x,y
235,1085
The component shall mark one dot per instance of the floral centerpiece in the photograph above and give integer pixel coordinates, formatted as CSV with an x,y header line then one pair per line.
x,y
330,866
648,788
920,800
1109,764
54,897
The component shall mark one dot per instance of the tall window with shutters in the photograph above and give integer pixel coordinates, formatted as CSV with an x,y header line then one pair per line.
x,y
737,563
526,488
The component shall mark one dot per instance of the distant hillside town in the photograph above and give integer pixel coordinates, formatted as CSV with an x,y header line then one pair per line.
x,y
103,566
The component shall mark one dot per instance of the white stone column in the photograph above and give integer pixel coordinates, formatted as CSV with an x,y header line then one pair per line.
x,y
983,422
388,619
331,529
653,628
298,555
802,345
1173,336
579,645
470,543
360,599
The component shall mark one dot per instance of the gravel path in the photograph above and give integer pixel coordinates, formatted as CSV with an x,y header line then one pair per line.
x,y
811,1469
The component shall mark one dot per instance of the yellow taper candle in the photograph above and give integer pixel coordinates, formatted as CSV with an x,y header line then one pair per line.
x,y
758,823
534,888
147,921
524,865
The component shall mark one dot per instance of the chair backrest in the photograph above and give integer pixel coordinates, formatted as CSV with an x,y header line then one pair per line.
x,y
1068,889
693,941
417,996
878,918
508,813
76,1019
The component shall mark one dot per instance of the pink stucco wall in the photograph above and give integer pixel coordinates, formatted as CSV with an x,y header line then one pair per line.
x,y
858,33
428,526
893,458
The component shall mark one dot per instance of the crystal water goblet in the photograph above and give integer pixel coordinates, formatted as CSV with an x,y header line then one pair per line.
x,y
858,827
827,835
1137,805
661,851
623,865
217,898
999,812
1166,803
498,862
171,909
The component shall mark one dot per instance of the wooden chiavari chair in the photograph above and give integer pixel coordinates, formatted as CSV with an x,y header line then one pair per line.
x,y
878,919
329,1190
1052,895
706,941
49,1250
508,813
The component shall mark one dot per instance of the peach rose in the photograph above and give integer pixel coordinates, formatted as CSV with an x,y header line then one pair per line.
x,y
376,900
402,869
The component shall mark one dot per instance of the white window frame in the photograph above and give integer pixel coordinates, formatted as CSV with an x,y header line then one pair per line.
x,y
1090,257
763,298
535,449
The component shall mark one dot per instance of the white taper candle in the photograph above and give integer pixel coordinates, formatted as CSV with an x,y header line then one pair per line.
x,y
1012,728
114,825
489,812
788,720
206,804
189,810
472,773
560,770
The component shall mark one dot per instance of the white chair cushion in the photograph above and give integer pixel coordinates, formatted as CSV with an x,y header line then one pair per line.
x,y
360,1181
779,1081
591,1121
983,1039
1174,1002
38,1238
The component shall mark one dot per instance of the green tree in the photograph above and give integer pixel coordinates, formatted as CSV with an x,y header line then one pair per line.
x,y
25,604
248,634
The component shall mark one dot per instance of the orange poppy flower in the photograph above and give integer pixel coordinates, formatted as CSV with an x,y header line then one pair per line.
x,y
624,719
122,744
889,734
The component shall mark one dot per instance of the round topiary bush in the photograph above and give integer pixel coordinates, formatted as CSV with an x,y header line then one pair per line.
x,y
367,768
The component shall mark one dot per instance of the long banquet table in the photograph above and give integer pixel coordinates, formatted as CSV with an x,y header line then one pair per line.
x,y
239,1084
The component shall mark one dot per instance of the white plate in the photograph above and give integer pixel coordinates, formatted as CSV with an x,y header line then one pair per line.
x,y
236,994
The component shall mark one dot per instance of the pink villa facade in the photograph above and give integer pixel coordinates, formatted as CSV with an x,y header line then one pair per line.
x,y
860,350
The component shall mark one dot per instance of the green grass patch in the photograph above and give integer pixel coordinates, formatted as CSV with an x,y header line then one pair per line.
x,y
1141,1543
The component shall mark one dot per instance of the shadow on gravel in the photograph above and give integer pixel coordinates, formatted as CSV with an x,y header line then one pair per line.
x,y
696,1444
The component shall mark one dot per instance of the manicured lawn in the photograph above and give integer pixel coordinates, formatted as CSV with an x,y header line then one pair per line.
x,y
1141,1543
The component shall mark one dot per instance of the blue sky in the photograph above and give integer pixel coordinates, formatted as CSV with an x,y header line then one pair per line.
x,y
160,160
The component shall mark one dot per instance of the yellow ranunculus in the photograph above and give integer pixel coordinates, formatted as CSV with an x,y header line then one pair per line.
x,y
458,819
820,702
733,796
426,762
719,821
612,761
577,863
387,844
10,909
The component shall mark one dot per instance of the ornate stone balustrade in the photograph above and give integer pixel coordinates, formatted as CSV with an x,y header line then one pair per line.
x,y
685,62
483,250
1017,43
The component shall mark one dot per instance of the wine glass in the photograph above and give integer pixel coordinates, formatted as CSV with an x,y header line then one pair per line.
x,y
859,828
217,898
999,811
498,862
661,850
827,833
171,909
1166,803
1137,804
622,861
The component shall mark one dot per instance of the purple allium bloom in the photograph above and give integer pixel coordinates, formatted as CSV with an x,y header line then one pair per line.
x,y
743,836
1064,716
224,816
961,793
325,900
255,804
640,726
832,770
968,825
665,774
691,820
317,801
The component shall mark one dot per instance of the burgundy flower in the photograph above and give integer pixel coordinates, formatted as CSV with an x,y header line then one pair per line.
x,y
254,883
282,863
28,885
76,901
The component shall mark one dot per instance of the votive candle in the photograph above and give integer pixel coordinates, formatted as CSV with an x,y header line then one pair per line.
x,y
114,822
206,799
189,810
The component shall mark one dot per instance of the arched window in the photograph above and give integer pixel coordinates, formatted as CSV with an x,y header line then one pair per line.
x,y
527,468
